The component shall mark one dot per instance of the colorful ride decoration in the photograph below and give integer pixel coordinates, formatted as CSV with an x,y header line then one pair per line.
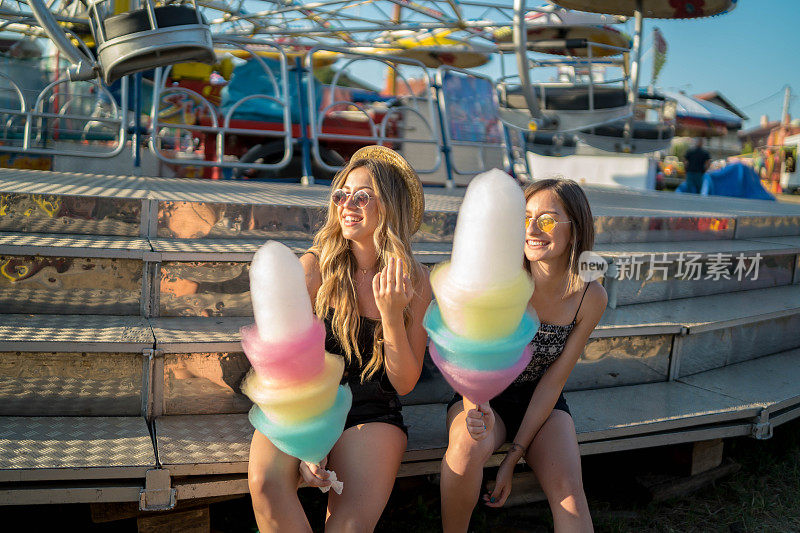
x,y
434,48
696,117
563,32
579,96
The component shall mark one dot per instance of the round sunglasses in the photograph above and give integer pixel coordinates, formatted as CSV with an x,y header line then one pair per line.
x,y
545,222
360,197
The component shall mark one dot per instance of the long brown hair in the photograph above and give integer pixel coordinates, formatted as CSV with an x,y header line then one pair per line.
x,y
337,264
577,208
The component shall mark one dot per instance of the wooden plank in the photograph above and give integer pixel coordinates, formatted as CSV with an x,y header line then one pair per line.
x,y
706,455
47,495
189,521
664,439
110,512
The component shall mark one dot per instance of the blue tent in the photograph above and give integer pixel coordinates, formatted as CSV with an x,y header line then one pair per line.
x,y
737,180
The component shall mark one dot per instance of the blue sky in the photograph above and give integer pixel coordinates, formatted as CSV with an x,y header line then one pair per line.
x,y
747,54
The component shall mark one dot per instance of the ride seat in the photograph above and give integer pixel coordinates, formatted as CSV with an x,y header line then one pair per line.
x,y
641,130
136,21
132,44
571,98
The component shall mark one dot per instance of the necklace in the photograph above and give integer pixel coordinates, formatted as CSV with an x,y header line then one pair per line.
x,y
364,275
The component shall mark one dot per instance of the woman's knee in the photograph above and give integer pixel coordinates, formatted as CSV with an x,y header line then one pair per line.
x,y
270,484
563,487
464,450
350,523
265,487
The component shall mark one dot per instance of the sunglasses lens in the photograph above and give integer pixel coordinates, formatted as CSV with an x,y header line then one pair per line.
x,y
546,223
339,197
360,199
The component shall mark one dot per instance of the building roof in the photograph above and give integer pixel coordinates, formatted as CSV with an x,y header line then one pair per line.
x,y
719,99
760,131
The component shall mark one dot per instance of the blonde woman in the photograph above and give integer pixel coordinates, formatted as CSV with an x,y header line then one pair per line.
x,y
532,412
372,294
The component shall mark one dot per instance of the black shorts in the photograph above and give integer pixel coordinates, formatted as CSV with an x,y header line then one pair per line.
x,y
374,402
510,406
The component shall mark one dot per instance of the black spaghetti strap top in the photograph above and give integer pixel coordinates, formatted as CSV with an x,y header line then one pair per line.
x,y
548,343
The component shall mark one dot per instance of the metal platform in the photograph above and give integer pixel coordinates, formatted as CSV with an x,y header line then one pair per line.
x,y
242,250
184,335
675,361
770,382
656,407
66,245
672,249
75,333
716,404
234,209
59,448
705,313
220,444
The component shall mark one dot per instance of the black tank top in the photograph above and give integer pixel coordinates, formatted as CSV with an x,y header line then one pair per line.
x,y
365,339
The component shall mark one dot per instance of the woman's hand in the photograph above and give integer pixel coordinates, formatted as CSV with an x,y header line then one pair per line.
x,y
315,475
480,421
392,290
502,485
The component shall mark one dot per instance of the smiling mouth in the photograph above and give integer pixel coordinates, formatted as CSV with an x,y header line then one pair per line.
x,y
535,243
351,220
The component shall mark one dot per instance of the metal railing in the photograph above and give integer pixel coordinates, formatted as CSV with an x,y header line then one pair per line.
x,y
60,116
202,131
218,129
418,104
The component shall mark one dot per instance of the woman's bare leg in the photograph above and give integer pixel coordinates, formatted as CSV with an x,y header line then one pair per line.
x,y
555,458
272,477
462,468
366,459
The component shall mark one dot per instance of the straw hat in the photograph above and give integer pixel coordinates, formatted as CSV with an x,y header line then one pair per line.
x,y
412,181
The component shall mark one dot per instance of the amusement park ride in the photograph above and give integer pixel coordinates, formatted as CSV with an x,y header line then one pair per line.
x,y
103,41
121,296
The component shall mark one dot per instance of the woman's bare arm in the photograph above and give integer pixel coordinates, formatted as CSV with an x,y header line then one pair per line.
x,y
313,275
404,349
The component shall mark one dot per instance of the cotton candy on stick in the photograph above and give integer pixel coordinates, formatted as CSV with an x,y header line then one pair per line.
x,y
487,245
479,370
299,404
278,291
478,325
483,290
286,343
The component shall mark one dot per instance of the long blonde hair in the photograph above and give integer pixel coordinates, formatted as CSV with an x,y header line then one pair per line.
x,y
337,264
